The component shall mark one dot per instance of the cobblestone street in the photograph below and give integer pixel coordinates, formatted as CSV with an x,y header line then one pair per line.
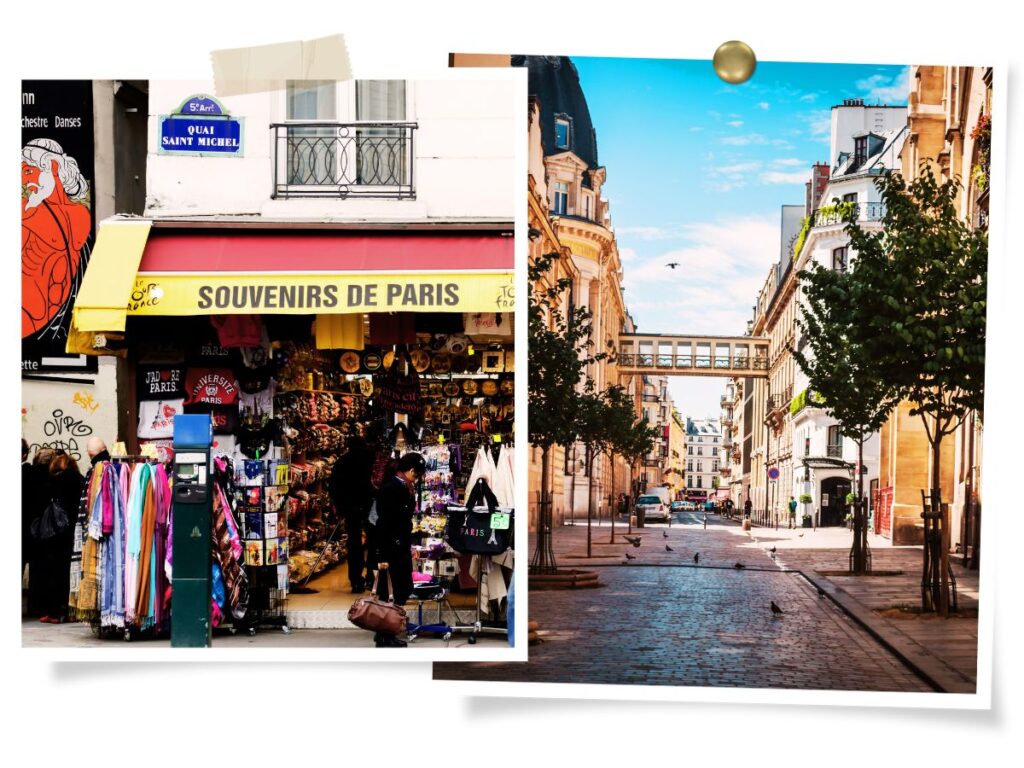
x,y
662,620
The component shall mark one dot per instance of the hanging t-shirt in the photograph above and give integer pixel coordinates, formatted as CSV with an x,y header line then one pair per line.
x,y
211,386
261,402
160,382
238,330
156,418
224,418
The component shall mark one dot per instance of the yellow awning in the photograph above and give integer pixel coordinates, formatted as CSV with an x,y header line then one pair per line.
x,y
102,301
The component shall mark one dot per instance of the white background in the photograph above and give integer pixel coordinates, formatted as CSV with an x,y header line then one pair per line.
x,y
378,715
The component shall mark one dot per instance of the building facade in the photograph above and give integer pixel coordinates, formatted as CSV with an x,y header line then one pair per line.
x,y
703,457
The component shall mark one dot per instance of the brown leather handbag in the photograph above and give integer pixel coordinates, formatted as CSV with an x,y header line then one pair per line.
x,y
375,615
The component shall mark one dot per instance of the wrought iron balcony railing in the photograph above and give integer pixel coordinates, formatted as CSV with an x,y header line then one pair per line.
x,y
836,214
344,160
834,451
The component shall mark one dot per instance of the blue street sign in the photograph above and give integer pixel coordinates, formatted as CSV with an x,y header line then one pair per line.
x,y
773,473
203,127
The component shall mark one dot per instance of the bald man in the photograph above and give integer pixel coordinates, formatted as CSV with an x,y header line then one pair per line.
x,y
97,450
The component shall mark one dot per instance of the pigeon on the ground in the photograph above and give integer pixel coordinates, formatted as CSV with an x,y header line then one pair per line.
x,y
772,550
664,534
799,535
771,554
635,541
630,557
696,557
668,548
739,566
821,592
775,609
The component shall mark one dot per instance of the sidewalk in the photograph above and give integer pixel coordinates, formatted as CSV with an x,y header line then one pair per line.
x,y
942,650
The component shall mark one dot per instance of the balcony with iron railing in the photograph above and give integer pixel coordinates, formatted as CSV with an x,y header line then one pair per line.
x,y
831,215
834,451
324,159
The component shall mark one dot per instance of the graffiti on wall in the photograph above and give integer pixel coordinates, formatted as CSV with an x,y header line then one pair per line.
x,y
63,431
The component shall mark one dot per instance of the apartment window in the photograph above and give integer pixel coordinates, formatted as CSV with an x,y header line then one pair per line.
x,y
561,198
381,151
586,207
807,446
689,482
699,481
689,466
562,132
689,450
839,259
850,197
860,151
700,451
714,468
700,466
312,150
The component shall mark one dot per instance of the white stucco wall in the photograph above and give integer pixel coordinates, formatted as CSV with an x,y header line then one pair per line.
x,y
463,167
60,414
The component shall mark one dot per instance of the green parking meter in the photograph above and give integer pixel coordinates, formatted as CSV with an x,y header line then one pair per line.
x,y
192,495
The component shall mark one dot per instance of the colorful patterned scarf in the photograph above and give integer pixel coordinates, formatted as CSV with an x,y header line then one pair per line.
x,y
111,549
83,601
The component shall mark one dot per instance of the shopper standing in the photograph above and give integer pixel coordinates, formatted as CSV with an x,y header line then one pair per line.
x,y
792,511
65,490
352,493
27,506
396,504
35,496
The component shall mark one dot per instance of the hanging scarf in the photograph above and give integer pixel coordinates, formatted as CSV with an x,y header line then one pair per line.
x,y
133,538
162,497
145,585
112,546
85,602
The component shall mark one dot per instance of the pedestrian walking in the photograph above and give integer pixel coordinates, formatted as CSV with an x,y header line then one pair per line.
x,y
792,511
748,505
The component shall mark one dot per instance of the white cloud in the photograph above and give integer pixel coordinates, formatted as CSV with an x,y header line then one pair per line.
x,y
764,105
789,161
627,255
695,128
739,168
777,177
646,233
735,123
885,88
741,141
726,186
809,97
722,266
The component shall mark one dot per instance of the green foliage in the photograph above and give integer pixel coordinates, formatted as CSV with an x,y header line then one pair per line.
x,y
559,351
805,227
919,286
803,399
806,498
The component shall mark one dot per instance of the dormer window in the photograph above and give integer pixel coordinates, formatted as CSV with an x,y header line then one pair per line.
x,y
860,152
561,201
562,132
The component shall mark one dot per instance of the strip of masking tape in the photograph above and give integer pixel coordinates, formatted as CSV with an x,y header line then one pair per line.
x,y
263,68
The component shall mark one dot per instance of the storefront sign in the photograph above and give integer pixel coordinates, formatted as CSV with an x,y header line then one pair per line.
x,y
219,294
57,190
201,127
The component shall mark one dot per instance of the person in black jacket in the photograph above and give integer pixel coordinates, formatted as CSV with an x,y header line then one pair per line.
x,y
352,493
396,504
65,487
28,511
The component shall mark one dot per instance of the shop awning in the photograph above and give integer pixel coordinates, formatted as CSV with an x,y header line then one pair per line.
x,y
109,277
323,273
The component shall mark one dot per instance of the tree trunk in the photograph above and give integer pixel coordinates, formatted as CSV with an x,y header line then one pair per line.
x,y
590,493
936,530
859,559
543,560
612,506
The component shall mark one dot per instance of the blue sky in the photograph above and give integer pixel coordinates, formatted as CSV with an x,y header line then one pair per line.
x,y
697,172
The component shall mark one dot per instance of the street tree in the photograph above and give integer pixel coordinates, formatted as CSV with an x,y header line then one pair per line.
x,y
919,297
842,376
560,349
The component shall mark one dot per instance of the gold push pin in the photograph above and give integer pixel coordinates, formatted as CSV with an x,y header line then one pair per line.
x,y
734,62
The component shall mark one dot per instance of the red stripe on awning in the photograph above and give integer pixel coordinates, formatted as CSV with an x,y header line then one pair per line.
x,y
325,252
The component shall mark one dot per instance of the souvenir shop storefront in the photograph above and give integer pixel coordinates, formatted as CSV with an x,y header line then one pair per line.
x,y
304,346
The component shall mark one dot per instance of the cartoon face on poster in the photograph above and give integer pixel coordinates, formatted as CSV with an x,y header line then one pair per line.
x,y
56,217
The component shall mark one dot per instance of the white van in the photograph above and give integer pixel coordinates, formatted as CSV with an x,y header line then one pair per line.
x,y
661,492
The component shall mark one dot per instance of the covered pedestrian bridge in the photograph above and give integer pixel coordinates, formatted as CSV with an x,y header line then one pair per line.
x,y
664,354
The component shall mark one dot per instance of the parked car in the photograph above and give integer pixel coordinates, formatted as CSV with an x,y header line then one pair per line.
x,y
689,506
678,506
654,508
